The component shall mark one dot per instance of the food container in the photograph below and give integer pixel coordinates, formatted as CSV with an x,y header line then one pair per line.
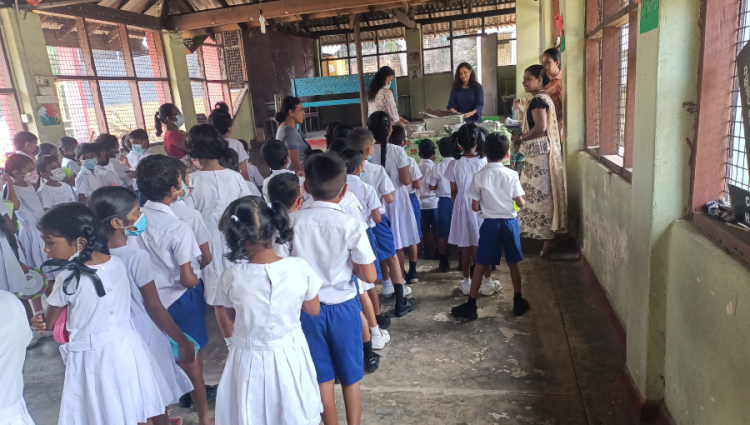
x,y
490,126
437,124
414,128
423,135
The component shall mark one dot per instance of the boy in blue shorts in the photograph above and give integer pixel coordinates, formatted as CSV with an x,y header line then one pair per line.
x,y
493,191
442,187
336,246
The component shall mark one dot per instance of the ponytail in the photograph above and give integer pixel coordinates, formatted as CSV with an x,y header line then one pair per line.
x,y
157,125
281,222
380,125
287,105
162,115
469,136
251,220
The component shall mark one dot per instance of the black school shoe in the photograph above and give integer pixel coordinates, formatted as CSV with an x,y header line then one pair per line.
x,y
186,401
383,321
373,363
211,393
411,277
445,265
407,307
425,254
520,306
465,311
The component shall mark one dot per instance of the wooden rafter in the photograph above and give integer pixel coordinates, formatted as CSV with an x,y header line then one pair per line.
x,y
106,14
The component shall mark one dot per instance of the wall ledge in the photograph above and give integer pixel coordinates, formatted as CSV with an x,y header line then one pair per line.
x,y
734,242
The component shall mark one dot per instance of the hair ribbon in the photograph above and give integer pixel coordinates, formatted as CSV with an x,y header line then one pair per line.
x,y
78,269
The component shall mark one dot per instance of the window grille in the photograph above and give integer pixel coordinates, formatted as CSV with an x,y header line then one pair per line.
x,y
737,171
623,83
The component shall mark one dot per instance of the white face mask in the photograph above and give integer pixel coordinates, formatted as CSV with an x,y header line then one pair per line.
x,y
58,174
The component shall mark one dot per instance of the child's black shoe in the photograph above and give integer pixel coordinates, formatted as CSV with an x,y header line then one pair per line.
x,y
373,363
383,321
445,265
425,254
465,311
186,401
520,305
407,307
411,277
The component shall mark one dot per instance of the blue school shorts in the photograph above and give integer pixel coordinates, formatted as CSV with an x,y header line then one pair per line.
x,y
497,235
335,341
415,206
374,245
429,219
445,212
384,239
189,313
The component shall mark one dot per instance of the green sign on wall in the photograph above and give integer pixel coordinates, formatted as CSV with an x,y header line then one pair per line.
x,y
649,15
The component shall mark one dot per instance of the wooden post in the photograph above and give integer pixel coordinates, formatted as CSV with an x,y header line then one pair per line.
x,y
360,68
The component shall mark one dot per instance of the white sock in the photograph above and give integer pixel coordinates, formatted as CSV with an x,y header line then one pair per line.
x,y
487,279
467,279
376,331
387,283
228,341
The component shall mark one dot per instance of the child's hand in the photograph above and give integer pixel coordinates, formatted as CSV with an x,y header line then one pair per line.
x,y
7,178
187,354
38,323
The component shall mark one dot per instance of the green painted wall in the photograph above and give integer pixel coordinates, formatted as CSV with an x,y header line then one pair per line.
x,y
527,34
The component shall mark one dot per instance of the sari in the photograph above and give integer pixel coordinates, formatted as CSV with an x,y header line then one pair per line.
x,y
554,89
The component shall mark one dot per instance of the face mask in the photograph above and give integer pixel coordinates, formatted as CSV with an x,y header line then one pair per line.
x,y
31,178
362,174
36,150
140,226
138,149
58,174
78,250
186,190
90,163
180,120
196,164
288,165
369,158
117,155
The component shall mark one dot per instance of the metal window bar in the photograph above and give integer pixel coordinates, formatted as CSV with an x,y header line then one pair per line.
x,y
623,89
376,53
599,98
10,115
217,72
736,165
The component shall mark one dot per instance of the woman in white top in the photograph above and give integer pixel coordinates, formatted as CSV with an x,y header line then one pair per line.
x,y
380,97
109,376
14,327
396,164
465,223
222,120
269,376
215,187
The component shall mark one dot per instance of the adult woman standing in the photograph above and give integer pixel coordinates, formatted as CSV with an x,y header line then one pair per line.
x,y
467,95
380,97
545,213
174,140
551,62
222,121
291,114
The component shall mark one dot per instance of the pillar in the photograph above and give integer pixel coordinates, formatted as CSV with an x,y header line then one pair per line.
x,y
668,62
528,39
179,76
27,54
416,85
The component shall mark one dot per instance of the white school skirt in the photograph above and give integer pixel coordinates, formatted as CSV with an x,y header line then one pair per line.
x,y
213,271
16,415
465,223
269,382
401,215
109,379
175,382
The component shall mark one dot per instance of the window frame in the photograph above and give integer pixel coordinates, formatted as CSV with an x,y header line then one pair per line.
x,y
451,38
352,60
13,105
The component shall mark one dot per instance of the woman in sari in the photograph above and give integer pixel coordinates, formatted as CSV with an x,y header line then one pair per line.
x,y
551,62
545,214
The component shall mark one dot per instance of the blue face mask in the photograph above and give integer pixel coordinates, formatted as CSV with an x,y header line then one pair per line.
x,y
180,120
138,149
90,163
186,190
140,226
369,158
362,174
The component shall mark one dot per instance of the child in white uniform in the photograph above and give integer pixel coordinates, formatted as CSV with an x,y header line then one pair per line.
x,y
11,273
465,222
120,214
221,119
111,144
54,191
67,148
269,376
215,187
139,143
14,327
427,198
276,155
103,171
86,180
109,377
442,187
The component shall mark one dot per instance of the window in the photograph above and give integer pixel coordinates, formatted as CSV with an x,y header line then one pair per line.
x,y
380,48
506,46
736,166
111,77
623,92
10,116
217,72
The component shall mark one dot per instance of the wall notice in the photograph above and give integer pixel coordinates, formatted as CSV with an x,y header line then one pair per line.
x,y
743,74
649,15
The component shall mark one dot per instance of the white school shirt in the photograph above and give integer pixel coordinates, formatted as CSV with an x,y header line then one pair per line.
x,y
87,182
140,274
275,173
12,277
72,165
133,160
121,171
376,177
267,297
14,327
52,196
366,195
31,206
395,159
91,315
415,174
428,198
495,187
438,179
170,243
252,171
213,191
27,155
194,219
106,176
330,241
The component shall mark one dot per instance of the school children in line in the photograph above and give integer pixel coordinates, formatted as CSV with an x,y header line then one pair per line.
x,y
222,120
67,147
336,247
139,144
269,376
14,327
102,170
375,175
26,144
109,375
428,198
117,210
54,191
86,180
276,155
285,189
112,147
493,192
442,187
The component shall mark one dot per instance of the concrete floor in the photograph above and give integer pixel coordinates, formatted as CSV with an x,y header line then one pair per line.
x,y
558,364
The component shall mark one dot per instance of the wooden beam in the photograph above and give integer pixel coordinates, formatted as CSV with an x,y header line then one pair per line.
x,y
164,11
250,12
402,18
360,68
139,6
106,14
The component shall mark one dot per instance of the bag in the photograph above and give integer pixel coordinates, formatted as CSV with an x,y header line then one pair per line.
x,y
60,333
